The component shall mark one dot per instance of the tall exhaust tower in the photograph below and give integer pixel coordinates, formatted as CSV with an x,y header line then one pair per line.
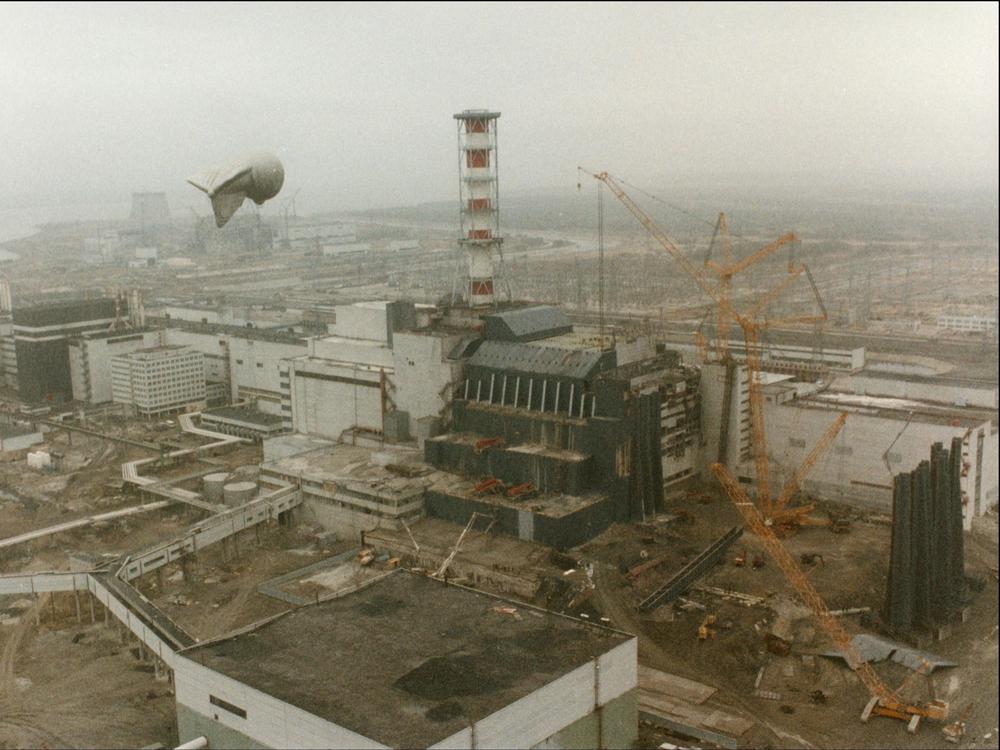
x,y
479,201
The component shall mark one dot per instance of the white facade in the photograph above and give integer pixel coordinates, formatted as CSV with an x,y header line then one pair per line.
x,y
941,390
255,370
423,376
974,323
90,361
873,446
159,380
352,378
330,397
214,347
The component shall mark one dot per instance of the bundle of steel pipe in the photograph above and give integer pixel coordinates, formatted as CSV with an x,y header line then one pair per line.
x,y
926,584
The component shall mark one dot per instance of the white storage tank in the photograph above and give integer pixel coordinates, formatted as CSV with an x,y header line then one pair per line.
x,y
239,493
212,485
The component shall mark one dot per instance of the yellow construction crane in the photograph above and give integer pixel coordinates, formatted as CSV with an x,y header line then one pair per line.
x,y
751,321
729,268
884,701
784,517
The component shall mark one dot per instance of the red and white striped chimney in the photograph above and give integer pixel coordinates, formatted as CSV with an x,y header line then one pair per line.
x,y
479,200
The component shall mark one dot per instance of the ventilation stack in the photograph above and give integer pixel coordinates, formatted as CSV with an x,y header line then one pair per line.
x,y
479,201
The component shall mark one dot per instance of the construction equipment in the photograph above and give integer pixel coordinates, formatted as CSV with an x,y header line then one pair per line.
x,y
461,537
750,320
741,559
638,570
705,630
784,517
522,491
490,484
493,442
884,702
956,730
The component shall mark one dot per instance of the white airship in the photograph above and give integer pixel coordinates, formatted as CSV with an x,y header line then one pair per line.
x,y
258,177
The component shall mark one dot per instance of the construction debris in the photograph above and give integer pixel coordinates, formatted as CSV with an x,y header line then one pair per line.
x,y
746,600
691,572
873,648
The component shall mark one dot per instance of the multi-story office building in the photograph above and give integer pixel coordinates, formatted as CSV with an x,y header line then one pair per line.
x,y
159,380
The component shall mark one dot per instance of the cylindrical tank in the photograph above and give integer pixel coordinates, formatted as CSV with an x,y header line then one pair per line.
x,y
238,493
212,484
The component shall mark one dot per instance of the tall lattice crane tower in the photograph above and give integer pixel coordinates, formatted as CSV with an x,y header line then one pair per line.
x,y
479,202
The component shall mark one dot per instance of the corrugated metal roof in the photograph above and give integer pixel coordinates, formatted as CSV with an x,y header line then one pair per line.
x,y
526,324
543,360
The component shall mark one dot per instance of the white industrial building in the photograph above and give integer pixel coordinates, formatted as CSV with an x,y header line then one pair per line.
x,y
942,389
159,380
408,661
892,422
243,362
347,489
882,437
311,236
90,360
255,366
381,357
969,323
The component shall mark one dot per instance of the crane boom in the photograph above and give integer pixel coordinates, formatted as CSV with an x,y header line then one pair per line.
x,y
658,234
807,464
734,268
887,702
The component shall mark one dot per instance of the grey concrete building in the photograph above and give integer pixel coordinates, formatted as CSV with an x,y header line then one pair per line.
x,y
411,662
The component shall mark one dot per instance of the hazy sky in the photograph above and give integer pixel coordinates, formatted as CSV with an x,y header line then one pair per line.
x,y
357,99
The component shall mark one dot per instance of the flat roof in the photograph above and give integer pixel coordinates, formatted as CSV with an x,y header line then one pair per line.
x,y
243,414
355,466
408,660
255,334
897,408
911,377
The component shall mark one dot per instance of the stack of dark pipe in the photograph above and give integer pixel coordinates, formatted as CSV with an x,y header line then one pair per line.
x,y
926,585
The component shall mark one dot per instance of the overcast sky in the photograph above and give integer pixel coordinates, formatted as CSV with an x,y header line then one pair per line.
x,y
357,99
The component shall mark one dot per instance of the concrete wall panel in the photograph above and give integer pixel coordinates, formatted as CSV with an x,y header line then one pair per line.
x,y
541,714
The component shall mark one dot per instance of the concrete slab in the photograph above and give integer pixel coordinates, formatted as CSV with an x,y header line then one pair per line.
x,y
656,682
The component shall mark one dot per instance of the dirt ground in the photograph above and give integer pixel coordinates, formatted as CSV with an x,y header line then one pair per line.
x,y
852,575
223,596
66,684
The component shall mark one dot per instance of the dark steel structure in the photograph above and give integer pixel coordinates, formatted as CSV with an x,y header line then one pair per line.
x,y
926,585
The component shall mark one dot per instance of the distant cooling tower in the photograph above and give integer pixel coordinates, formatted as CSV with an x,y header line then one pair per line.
x,y
258,177
149,210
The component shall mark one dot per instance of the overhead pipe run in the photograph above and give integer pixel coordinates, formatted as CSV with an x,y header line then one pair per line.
x,y
196,744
